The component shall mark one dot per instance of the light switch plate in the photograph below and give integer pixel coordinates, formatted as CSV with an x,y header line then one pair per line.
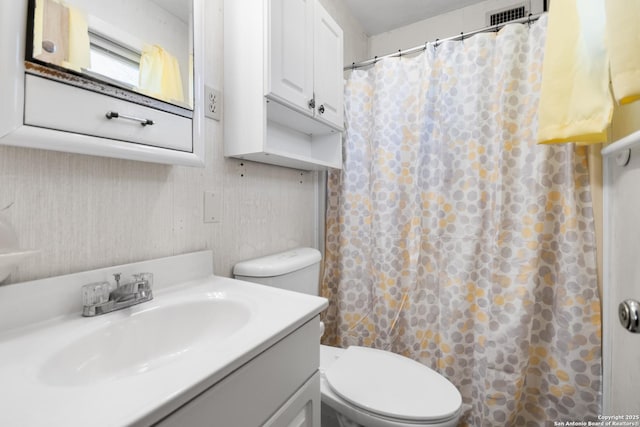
x,y
213,103
212,207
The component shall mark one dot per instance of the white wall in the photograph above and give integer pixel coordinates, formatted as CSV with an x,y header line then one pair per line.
x,y
442,26
86,212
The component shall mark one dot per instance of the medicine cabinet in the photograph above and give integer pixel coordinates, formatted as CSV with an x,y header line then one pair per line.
x,y
283,83
118,79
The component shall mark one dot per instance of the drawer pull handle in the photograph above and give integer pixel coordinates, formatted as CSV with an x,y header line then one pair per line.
x,y
115,115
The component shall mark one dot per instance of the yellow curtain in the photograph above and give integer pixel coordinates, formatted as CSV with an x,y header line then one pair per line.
x,y
160,74
575,103
623,37
588,42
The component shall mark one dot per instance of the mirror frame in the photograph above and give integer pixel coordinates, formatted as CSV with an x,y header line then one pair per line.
x,y
13,131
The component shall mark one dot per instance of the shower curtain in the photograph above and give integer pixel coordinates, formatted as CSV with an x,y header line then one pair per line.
x,y
455,240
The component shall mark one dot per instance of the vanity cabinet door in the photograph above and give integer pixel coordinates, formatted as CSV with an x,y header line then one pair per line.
x,y
302,409
328,63
290,55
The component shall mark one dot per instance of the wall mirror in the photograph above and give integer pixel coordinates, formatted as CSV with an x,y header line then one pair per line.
x,y
121,78
142,46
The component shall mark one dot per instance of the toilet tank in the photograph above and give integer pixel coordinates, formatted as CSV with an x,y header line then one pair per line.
x,y
295,270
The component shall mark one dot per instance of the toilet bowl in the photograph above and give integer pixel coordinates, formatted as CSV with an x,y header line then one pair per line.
x,y
376,388
361,386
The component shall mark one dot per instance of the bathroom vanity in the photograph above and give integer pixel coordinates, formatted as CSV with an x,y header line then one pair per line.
x,y
280,387
206,350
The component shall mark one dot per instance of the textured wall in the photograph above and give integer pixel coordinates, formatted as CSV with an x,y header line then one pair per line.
x,y
86,212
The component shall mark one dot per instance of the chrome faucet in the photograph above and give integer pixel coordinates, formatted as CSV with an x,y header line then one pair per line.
x,y
104,297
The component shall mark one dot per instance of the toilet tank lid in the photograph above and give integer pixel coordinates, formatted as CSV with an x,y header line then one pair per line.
x,y
278,264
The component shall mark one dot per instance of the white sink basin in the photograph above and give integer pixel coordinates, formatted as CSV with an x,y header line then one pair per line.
x,y
134,366
143,341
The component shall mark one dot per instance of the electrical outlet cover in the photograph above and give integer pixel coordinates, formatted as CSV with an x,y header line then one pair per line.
x,y
213,103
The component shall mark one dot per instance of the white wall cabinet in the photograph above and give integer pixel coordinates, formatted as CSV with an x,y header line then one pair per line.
x,y
327,70
305,59
48,109
290,55
283,83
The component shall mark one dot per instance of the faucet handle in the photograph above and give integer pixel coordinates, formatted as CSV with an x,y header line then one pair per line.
x,y
145,280
95,293
147,277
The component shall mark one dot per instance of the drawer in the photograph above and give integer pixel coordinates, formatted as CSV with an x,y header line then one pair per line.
x,y
54,105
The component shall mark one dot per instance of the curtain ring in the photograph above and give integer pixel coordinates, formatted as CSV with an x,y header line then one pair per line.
x,y
435,45
375,59
425,45
529,20
462,36
353,66
399,53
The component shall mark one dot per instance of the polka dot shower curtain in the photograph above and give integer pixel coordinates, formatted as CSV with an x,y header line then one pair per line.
x,y
455,240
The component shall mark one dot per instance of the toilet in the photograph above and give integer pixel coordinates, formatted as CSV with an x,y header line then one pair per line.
x,y
361,386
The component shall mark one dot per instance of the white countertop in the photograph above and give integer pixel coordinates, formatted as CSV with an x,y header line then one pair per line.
x,y
29,398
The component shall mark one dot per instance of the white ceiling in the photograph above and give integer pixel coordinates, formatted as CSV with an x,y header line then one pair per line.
x,y
378,16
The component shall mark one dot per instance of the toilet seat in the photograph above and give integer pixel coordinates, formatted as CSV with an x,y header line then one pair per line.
x,y
392,386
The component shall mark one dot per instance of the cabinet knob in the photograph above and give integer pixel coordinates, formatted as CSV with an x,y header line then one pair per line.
x,y
312,103
321,109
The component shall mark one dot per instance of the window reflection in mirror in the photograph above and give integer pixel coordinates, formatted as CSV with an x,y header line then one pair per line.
x,y
144,46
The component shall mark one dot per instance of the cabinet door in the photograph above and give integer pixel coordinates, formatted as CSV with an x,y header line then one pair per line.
x,y
290,55
328,74
302,409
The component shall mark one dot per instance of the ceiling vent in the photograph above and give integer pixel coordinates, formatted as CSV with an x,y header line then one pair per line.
x,y
501,16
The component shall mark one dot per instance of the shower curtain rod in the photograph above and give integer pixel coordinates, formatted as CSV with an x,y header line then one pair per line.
x,y
461,36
